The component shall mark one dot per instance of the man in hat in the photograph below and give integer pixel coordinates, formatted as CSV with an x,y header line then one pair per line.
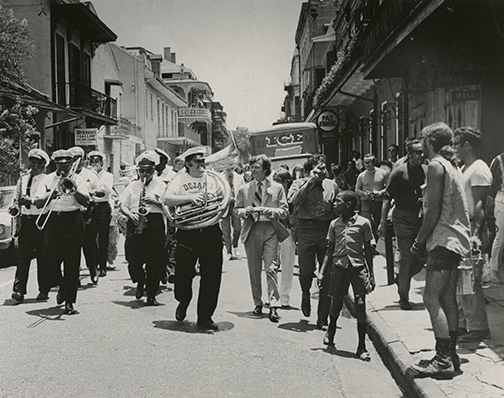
x,y
102,209
30,238
65,227
96,189
145,236
203,244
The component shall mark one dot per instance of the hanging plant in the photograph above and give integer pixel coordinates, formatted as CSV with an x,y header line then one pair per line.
x,y
334,76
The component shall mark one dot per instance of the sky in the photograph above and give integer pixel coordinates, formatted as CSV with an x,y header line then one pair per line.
x,y
242,48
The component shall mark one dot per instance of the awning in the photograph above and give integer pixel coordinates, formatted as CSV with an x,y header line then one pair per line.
x,y
320,46
30,96
180,141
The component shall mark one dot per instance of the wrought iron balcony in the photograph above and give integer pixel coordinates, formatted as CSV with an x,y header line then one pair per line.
x,y
195,114
389,17
87,99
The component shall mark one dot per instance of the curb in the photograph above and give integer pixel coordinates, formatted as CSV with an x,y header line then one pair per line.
x,y
395,356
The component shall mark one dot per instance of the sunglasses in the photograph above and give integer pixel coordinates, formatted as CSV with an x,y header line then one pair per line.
x,y
145,171
96,160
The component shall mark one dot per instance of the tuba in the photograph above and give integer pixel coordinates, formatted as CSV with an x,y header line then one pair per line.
x,y
192,216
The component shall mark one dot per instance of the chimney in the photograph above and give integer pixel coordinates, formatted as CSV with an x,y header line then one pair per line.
x,y
156,64
167,53
174,58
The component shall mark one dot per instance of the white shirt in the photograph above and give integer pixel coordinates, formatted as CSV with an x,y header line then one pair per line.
x,y
65,203
33,193
184,184
476,175
130,197
107,180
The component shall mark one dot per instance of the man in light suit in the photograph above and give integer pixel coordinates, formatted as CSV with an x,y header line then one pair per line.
x,y
261,203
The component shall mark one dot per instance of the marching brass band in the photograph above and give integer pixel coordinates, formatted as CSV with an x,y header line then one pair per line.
x,y
68,210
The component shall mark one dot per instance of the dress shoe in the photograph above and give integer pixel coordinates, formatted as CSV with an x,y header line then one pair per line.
x,y
306,305
322,325
181,312
139,290
273,315
475,336
103,273
257,310
208,325
171,278
59,298
328,339
152,302
236,252
164,280
405,305
42,296
94,279
19,297
69,309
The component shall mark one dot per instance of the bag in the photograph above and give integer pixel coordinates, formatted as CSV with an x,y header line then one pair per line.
x,y
469,273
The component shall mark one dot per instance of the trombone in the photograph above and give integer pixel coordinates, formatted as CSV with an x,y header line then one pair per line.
x,y
66,186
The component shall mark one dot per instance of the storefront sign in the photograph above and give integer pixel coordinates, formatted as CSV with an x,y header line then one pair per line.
x,y
327,123
85,137
465,95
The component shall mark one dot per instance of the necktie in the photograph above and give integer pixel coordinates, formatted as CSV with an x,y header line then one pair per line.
x,y
257,202
230,179
28,187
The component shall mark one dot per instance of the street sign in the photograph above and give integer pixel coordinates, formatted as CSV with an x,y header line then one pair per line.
x,y
85,137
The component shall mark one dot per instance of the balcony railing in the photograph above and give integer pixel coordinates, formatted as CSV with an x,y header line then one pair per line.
x,y
195,113
84,97
388,18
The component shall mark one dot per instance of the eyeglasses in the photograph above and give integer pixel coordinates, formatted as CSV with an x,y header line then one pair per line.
x,y
97,160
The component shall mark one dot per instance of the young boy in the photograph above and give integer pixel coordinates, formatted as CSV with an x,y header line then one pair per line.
x,y
350,251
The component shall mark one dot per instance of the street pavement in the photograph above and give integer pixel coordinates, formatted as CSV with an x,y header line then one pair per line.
x,y
118,347
406,337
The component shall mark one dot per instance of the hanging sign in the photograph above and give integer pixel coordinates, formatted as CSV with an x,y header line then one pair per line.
x,y
85,137
327,123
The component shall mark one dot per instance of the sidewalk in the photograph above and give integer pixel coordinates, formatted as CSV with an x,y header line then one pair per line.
x,y
405,337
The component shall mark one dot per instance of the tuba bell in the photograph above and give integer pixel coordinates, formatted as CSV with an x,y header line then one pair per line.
x,y
192,216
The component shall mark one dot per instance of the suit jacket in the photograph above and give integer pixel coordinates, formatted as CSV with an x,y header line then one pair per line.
x,y
273,198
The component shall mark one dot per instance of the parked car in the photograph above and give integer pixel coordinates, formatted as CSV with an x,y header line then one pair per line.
x,y
7,255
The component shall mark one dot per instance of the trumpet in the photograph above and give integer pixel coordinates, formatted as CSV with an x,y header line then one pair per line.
x,y
66,186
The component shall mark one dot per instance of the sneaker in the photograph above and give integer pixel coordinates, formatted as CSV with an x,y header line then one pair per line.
x,y
236,252
230,256
475,336
437,368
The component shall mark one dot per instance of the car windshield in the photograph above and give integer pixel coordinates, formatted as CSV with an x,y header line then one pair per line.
x,y
6,197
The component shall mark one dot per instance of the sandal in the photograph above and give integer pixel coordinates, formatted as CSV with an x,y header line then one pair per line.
x,y
363,355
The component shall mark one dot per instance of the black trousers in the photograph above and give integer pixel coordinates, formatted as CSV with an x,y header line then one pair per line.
x,y
203,245
147,248
62,244
102,216
31,244
89,242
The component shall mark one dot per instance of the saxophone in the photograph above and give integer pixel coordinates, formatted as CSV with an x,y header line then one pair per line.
x,y
142,210
15,209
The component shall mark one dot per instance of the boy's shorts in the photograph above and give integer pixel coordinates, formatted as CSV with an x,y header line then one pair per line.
x,y
440,258
342,277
